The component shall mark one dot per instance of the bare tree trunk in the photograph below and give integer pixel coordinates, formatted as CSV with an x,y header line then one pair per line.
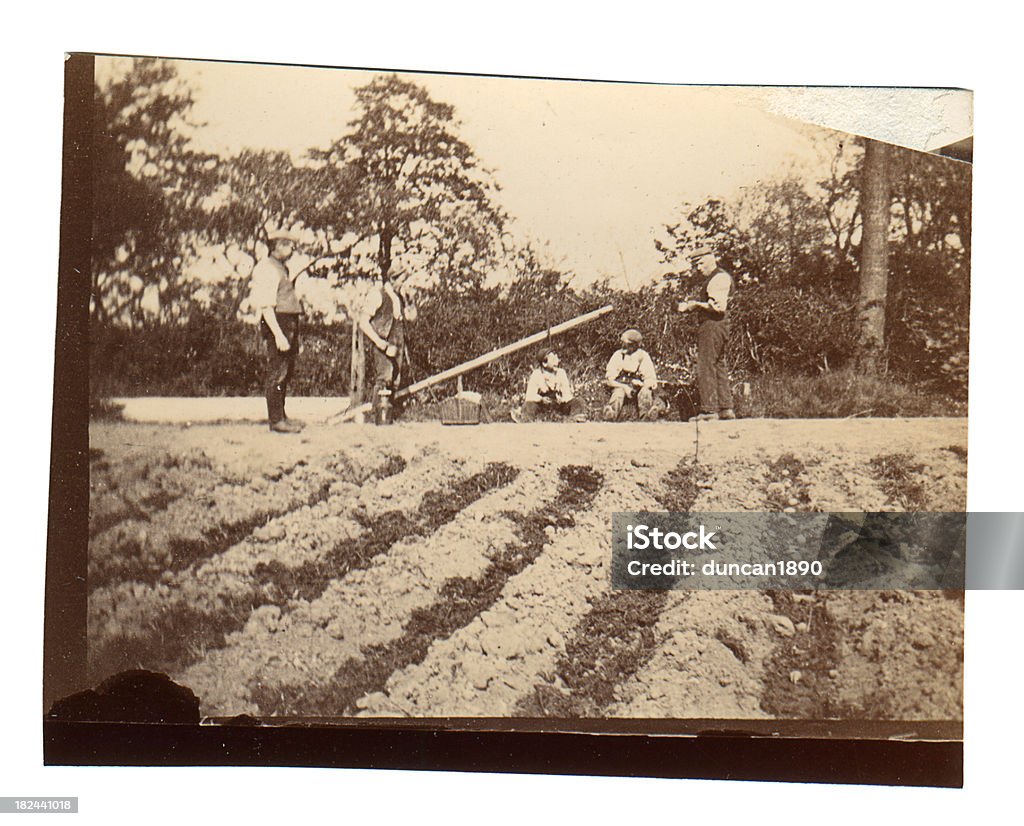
x,y
874,255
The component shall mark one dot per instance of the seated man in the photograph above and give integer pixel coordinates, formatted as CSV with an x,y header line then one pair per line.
x,y
549,391
631,375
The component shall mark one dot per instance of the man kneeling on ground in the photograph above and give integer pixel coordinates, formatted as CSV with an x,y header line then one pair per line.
x,y
549,391
631,375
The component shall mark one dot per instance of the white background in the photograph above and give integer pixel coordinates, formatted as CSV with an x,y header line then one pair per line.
x,y
863,43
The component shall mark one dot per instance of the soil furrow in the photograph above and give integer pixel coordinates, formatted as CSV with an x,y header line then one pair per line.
x,y
175,638
307,581
489,666
460,600
436,508
142,486
616,637
173,623
377,603
708,662
287,536
283,657
887,641
203,526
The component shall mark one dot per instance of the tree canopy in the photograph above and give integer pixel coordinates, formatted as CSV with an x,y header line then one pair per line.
x,y
413,192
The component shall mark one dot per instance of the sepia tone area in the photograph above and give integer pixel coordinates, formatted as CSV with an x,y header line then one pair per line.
x,y
555,301
430,571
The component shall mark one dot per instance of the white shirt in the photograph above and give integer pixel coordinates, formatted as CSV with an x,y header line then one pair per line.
x,y
718,291
636,362
266,276
542,380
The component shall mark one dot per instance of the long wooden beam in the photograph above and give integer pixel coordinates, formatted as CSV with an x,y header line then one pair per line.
x,y
479,361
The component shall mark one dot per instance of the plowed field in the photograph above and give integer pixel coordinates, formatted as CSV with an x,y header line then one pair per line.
x,y
420,570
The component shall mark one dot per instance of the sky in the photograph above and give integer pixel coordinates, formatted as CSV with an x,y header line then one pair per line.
x,y
589,171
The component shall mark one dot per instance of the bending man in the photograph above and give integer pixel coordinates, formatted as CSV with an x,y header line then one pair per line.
x,y
383,323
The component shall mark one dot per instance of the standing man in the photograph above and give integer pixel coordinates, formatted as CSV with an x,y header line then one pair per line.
x,y
549,390
712,338
630,374
274,299
383,323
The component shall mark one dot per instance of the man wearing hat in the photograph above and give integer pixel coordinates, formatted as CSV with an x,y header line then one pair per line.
x,y
712,338
275,301
631,375
383,322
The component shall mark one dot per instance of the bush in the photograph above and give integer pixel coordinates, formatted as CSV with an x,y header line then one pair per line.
x,y
211,356
794,344
793,330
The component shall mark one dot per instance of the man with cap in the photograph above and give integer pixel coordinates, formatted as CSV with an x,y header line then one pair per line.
x,y
382,321
631,375
274,298
712,337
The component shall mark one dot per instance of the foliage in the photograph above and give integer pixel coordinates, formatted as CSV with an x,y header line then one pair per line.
x,y
148,186
794,250
210,356
400,191
412,192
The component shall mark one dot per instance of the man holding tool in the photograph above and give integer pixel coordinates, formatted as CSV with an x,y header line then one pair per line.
x,y
383,323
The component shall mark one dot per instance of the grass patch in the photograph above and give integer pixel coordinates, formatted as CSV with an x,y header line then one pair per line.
x,y
172,640
959,451
459,601
611,643
898,475
678,489
840,394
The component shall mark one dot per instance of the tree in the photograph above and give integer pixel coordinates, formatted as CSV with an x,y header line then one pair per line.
x,y
412,192
257,190
148,185
874,254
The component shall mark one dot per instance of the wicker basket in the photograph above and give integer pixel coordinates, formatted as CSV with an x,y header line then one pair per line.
x,y
460,411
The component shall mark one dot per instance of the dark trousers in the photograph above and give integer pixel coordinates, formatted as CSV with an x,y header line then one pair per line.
x,y
712,373
387,372
535,410
280,366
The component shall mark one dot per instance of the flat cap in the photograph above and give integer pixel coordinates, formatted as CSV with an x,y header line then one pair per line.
x,y
282,235
701,251
632,336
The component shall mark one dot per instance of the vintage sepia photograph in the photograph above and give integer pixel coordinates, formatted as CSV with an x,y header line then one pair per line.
x,y
374,358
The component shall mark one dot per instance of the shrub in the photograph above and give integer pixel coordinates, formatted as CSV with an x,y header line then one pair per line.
x,y
795,344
